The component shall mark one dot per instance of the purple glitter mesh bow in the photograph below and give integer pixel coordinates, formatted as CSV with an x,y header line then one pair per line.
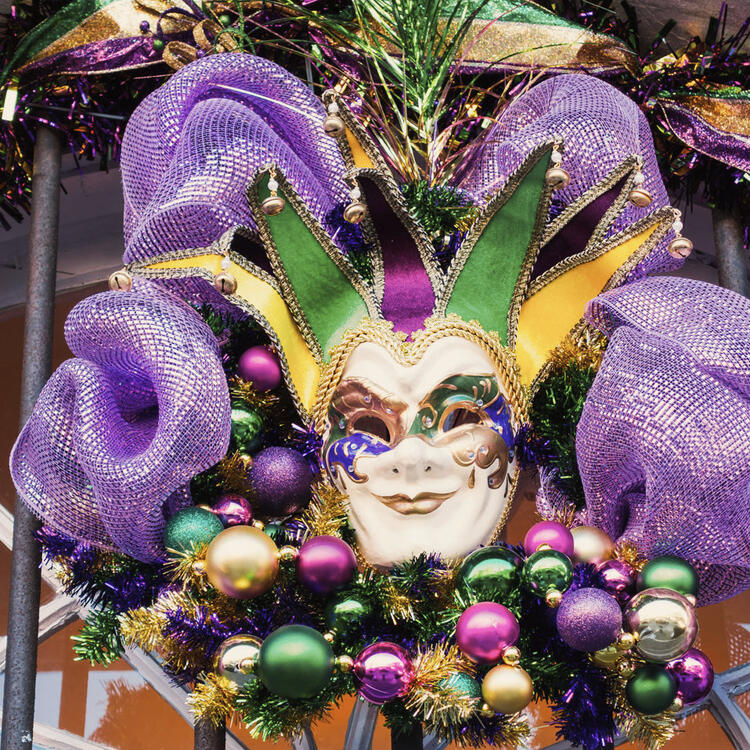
x,y
123,428
192,147
663,443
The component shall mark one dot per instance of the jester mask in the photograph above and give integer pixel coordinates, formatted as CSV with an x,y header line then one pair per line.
x,y
414,370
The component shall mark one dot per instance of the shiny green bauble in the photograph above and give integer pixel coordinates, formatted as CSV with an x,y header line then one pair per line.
x,y
651,689
462,684
295,662
545,570
276,531
669,572
189,528
490,573
246,427
346,612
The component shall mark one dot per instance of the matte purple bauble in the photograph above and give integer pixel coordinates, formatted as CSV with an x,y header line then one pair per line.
x,y
233,510
557,536
281,478
694,675
260,367
619,579
589,619
326,563
383,672
485,630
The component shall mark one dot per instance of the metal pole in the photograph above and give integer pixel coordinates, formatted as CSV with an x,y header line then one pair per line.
x,y
25,576
208,737
730,252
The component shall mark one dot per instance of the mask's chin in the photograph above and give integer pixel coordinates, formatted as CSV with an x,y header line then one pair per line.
x,y
458,525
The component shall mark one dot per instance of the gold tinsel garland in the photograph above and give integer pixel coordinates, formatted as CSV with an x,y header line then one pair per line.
x,y
212,699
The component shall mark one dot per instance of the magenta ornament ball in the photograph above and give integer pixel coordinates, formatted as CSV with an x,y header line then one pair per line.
x,y
694,675
485,630
233,510
589,619
557,536
326,563
619,579
260,367
281,479
383,672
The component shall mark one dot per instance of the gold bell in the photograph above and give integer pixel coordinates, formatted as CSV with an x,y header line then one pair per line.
x,y
225,283
273,205
639,197
680,247
557,178
120,281
334,126
355,212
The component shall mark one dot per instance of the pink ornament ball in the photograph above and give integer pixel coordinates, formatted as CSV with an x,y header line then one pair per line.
x,y
382,672
694,675
260,367
326,563
233,510
554,534
485,630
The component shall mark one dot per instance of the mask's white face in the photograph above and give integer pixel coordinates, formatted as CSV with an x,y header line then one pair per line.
x,y
423,452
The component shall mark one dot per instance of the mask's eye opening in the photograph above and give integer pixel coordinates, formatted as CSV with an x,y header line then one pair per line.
x,y
460,416
372,425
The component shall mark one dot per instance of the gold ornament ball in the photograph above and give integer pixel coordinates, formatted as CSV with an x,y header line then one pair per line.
x,y
344,663
680,247
237,657
677,704
120,281
355,212
485,710
640,197
512,656
273,205
330,637
242,562
334,126
553,598
288,553
606,657
225,283
557,178
626,669
507,689
591,545
259,525
625,641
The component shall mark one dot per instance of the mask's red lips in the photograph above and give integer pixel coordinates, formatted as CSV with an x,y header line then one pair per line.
x,y
423,502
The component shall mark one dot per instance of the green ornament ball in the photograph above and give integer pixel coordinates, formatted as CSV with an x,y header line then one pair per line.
x,y
462,684
295,662
669,572
545,570
276,531
189,528
490,573
246,427
346,612
651,689
225,19
159,45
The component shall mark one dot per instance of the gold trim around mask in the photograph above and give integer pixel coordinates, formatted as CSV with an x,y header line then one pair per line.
x,y
408,353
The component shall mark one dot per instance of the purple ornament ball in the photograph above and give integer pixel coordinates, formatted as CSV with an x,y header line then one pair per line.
x,y
557,536
383,672
260,367
694,675
589,619
485,630
281,478
619,579
233,510
326,563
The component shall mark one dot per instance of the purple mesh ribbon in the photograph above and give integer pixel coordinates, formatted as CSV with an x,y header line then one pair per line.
x,y
121,430
664,440
600,126
192,147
